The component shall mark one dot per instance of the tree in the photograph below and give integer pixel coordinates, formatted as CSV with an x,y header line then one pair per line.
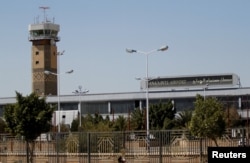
x,y
28,117
182,119
2,126
208,118
64,127
95,123
161,115
232,117
74,125
97,118
120,124
138,119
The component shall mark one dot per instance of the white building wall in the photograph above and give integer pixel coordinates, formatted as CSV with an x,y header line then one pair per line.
x,y
64,117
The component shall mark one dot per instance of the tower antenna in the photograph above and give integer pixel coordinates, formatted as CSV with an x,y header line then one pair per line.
x,y
44,8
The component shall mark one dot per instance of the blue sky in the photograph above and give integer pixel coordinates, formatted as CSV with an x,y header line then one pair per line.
x,y
204,37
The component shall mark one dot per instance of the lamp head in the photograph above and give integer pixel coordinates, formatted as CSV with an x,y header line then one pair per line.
x,y
47,72
69,72
131,51
163,48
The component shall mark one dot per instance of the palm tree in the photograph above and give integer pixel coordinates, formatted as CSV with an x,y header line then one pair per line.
x,y
137,119
120,124
161,115
183,119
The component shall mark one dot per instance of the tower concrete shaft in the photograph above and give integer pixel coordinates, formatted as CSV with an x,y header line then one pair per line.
x,y
44,36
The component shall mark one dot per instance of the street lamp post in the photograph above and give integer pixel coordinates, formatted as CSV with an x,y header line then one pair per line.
x,y
204,89
163,48
204,96
80,92
58,91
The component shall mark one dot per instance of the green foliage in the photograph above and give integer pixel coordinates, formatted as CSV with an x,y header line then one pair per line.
x,y
182,119
95,123
138,119
208,119
74,125
97,118
102,126
120,124
161,115
29,117
232,117
64,128
107,119
167,124
3,126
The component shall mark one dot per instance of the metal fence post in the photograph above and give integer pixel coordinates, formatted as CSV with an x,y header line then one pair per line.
x,y
160,152
200,150
88,147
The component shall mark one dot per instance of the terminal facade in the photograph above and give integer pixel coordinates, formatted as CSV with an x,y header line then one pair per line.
x,y
180,90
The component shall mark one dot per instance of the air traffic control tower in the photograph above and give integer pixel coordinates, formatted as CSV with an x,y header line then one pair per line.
x,y
44,36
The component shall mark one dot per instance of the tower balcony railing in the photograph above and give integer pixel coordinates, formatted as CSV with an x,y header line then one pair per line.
x,y
44,37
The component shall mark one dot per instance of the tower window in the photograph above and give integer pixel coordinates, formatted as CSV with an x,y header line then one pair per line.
x,y
37,62
37,52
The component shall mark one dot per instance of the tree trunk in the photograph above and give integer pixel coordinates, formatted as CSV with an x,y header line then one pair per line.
x,y
29,151
215,141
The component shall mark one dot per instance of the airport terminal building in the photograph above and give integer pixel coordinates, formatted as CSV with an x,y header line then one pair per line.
x,y
181,90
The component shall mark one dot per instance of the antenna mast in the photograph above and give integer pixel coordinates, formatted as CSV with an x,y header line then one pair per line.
x,y
44,12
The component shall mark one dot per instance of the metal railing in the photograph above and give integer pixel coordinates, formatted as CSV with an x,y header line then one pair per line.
x,y
94,147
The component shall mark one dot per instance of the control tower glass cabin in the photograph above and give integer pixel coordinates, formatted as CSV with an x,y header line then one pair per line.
x,y
44,57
